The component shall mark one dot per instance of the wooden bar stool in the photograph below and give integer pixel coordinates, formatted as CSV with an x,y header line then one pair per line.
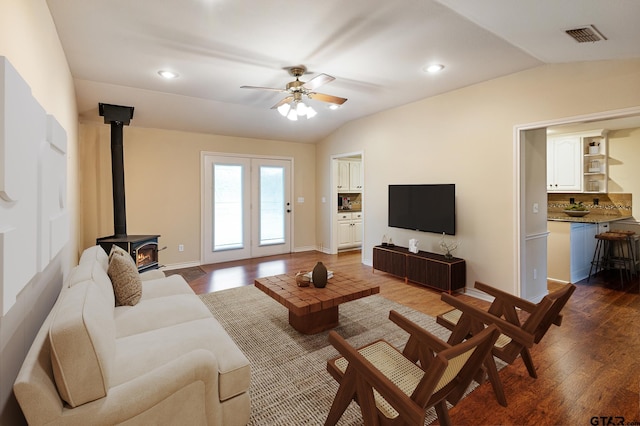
x,y
610,254
630,247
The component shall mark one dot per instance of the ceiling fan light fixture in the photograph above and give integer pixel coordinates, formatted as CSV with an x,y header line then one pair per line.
x,y
284,109
292,106
301,108
293,115
311,112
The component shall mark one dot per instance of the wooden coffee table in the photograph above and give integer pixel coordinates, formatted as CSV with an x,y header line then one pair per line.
x,y
312,310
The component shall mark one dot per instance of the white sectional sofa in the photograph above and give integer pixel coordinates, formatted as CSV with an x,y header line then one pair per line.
x,y
165,360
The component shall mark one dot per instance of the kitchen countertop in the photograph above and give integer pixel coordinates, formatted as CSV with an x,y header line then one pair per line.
x,y
590,218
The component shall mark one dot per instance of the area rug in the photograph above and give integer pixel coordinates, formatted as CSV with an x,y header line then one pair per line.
x,y
289,381
189,274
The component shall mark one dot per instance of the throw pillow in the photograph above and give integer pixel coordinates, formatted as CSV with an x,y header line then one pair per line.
x,y
117,250
127,285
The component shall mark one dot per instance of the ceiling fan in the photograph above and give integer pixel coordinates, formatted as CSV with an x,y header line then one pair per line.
x,y
293,106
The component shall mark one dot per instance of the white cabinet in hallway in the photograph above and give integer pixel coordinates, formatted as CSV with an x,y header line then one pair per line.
x,y
349,176
349,230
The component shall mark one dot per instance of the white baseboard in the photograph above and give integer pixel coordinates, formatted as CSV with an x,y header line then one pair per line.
x,y
303,249
324,250
472,292
179,266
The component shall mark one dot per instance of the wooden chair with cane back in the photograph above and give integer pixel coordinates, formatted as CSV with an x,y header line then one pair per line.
x,y
522,324
393,387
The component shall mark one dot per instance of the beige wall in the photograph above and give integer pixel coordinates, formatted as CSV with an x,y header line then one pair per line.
x,y
624,164
162,185
467,137
28,39
624,172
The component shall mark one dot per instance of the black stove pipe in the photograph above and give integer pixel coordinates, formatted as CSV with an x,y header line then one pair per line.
x,y
117,179
118,117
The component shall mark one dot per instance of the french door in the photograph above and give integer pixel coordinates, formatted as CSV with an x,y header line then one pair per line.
x,y
246,207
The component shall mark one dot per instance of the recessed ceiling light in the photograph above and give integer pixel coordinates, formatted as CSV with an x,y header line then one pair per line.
x,y
168,74
433,68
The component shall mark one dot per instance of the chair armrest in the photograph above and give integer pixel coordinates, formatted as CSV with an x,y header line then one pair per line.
x,y
127,400
422,345
369,375
505,297
506,328
414,330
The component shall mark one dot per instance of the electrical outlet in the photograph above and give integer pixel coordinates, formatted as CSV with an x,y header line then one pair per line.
x,y
596,201
180,247
536,208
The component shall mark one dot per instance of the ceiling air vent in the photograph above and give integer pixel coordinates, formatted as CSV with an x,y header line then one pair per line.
x,y
587,34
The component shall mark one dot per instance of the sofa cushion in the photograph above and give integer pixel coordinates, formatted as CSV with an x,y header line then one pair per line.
x,y
95,254
158,312
141,353
82,338
168,286
125,279
93,271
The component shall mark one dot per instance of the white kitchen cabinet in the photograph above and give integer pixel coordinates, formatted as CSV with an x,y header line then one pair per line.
x,y
349,230
349,176
355,176
564,164
578,162
343,175
583,245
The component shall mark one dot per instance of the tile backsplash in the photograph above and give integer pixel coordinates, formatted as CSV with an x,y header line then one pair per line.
x,y
614,204
350,201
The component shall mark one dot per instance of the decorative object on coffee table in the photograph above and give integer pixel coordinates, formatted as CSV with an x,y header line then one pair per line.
x,y
319,275
302,279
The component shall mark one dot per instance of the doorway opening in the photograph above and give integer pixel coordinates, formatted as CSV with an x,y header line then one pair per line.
x,y
347,202
246,207
531,241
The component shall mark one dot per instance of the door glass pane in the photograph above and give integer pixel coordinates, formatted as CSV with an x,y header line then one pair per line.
x,y
227,207
272,208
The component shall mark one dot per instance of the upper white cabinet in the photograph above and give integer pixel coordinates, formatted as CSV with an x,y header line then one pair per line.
x,y
343,175
355,175
564,164
578,162
349,176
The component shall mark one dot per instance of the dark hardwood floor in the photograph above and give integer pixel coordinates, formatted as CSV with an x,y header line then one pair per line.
x,y
588,368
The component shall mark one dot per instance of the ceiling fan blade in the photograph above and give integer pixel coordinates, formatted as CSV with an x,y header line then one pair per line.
x,y
327,98
318,81
282,102
263,88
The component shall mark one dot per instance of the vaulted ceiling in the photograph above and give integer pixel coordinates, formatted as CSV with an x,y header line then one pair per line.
x,y
375,49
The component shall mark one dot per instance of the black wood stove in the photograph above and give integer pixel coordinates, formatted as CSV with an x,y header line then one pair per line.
x,y
142,248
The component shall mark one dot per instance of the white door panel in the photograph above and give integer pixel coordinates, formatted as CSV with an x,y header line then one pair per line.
x,y
246,207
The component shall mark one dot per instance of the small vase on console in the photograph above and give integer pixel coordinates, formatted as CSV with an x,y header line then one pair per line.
x,y
319,275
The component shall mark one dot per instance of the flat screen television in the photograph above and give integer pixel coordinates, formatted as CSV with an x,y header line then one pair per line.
x,y
427,208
